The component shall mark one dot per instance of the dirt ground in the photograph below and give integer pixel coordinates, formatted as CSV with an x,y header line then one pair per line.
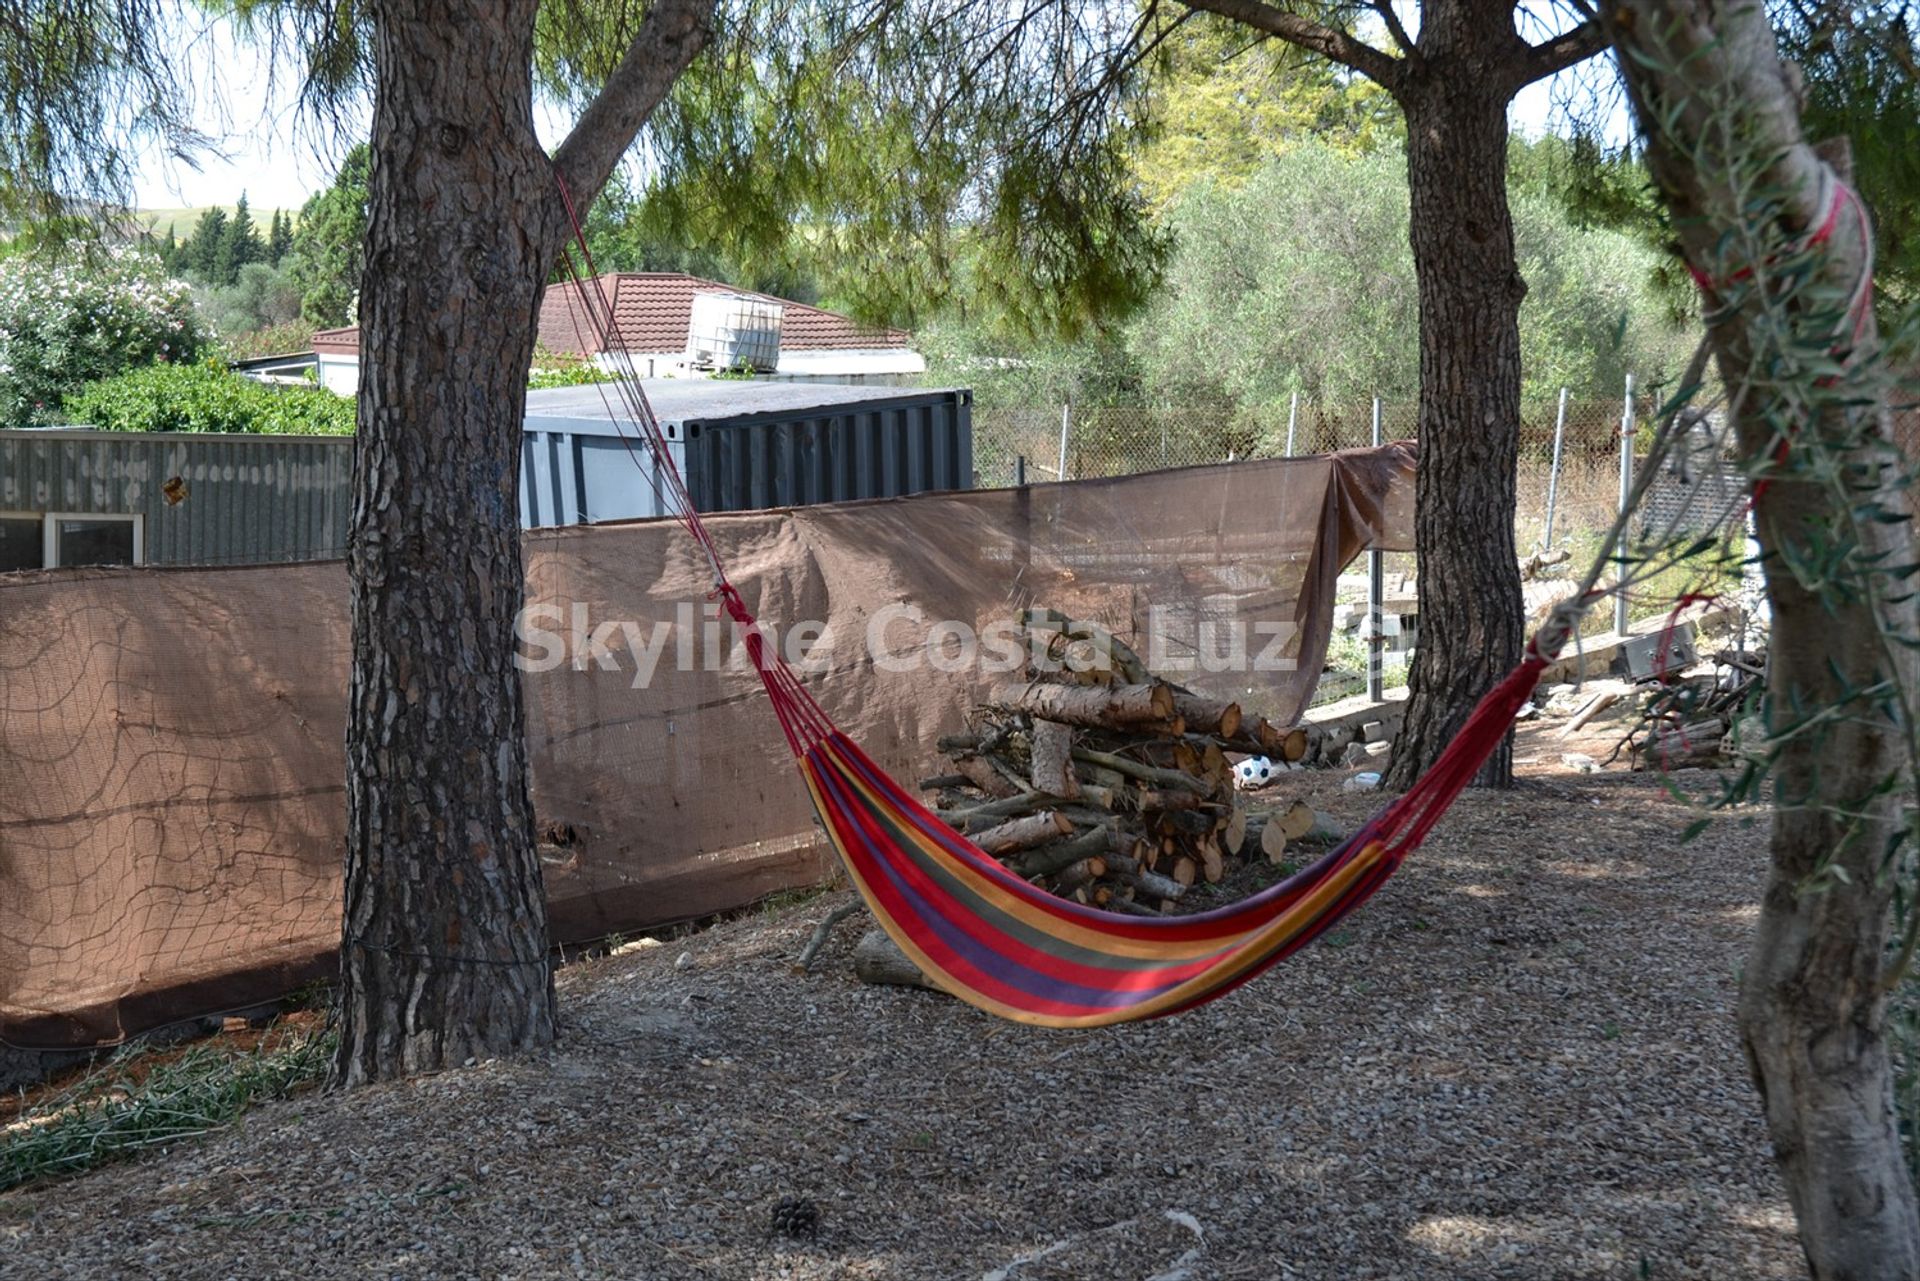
x,y
1518,1061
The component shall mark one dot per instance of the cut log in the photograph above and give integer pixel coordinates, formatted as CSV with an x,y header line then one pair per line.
x,y
1325,831
822,931
1185,871
1153,883
1296,820
980,772
877,959
1273,843
1049,860
1150,774
1212,865
1682,747
1094,706
1293,744
940,782
1052,769
1075,875
1024,833
1150,799
1098,775
1234,834
1599,703
1124,662
988,813
1205,716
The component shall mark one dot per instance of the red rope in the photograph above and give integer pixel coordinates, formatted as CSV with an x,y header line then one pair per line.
x,y
1859,306
801,718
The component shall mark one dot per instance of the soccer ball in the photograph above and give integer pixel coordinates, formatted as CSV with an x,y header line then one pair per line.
x,y
1255,771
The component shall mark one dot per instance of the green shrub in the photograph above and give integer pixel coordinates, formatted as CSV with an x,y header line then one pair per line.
x,y
552,370
208,397
66,323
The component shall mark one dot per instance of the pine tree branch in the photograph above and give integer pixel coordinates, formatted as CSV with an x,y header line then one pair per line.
x,y
674,33
1553,56
1328,42
1394,28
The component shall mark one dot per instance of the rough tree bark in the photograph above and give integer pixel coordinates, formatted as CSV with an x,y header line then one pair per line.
x,y
1472,619
1453,83
1812,1003
444,942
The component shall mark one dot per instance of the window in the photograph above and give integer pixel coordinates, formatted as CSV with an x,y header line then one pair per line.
x,y
92,540
22,543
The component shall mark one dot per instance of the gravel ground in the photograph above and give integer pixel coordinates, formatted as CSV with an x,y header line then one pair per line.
x,y
1518,1061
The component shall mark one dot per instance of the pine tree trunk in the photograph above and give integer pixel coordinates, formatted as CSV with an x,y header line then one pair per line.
x,y
1812,1000
1472,619
444,952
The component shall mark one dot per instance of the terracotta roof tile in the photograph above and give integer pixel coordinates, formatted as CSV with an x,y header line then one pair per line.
x,y
652,310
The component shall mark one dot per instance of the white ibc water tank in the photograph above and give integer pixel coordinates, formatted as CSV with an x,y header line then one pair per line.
x,y
732,331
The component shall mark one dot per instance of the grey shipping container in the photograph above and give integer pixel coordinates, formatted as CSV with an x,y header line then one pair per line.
x,y
740,445
77,496
167,498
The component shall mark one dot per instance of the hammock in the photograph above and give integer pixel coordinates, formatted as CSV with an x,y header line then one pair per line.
x,y
991,938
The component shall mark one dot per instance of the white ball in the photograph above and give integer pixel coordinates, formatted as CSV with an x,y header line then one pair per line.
x,y
1255,771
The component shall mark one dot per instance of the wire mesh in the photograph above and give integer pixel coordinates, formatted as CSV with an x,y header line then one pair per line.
x,y
1123,440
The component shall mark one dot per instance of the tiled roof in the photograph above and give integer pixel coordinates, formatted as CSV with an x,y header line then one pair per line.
x,y
337,342
652,310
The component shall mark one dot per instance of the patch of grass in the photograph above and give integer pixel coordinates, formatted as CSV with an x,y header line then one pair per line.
x,y
141,1099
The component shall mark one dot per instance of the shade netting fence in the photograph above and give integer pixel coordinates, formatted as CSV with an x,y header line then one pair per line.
x,y
172,801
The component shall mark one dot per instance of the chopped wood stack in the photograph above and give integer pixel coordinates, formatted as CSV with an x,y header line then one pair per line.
x,y
1688,722
1110,786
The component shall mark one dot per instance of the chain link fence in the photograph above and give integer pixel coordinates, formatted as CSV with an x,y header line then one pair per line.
x,y
1571,506
1041,443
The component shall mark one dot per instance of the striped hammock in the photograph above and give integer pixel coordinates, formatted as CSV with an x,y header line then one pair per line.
x,y
991,938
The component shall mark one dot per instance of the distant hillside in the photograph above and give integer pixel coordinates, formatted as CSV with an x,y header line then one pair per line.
x,y
182,220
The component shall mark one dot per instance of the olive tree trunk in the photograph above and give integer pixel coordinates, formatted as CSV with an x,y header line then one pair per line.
x,y
444,950
1813,996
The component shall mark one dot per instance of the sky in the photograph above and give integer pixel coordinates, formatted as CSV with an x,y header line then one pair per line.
x,y
261,144
264,148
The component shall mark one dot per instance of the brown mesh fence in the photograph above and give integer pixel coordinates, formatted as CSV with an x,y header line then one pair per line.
x,y
171,761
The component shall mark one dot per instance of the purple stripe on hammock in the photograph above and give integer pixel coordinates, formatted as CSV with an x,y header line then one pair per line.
x,y
996,966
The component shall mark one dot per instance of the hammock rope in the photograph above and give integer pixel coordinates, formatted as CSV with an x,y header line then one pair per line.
x,y
995,940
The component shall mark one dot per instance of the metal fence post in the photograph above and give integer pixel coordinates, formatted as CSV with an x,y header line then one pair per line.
x,y
1626,488
1553,472
1293,416
1066,420
1020,469
1376,600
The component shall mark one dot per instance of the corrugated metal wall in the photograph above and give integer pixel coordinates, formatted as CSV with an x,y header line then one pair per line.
x,y
250,499
576,470
247,498
870,450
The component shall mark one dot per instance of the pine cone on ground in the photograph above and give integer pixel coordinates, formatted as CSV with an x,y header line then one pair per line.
x,y
796,1218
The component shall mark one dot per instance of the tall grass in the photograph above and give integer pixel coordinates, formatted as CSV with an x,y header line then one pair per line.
x,y
142,1099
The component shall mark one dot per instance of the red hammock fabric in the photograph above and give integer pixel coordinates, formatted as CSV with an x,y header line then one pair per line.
x,y
1007,946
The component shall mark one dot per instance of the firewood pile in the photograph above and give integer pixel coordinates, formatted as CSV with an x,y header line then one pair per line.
x,y
1688,722
1113,787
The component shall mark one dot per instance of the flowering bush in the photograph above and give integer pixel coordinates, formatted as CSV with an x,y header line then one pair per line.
x,y
207,397
65,324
